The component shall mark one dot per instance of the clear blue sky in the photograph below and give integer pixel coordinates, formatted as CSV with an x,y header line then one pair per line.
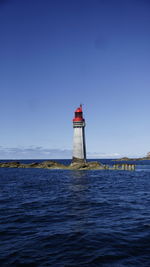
x,y
56,54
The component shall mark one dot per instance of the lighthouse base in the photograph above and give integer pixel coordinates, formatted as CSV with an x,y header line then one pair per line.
x,y
77,160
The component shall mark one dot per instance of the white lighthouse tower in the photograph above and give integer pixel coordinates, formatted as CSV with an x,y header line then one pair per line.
x,y
79,148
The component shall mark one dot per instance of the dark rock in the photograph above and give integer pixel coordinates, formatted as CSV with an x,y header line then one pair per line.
x,y
93,165
12,164
51,165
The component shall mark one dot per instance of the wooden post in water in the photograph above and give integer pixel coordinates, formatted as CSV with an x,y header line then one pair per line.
x,y
124,166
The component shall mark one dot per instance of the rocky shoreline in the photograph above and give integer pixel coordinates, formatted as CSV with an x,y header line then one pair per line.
x,y
93,165
54,165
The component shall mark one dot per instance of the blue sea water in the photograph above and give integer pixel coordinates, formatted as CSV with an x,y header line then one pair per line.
x,y
75,218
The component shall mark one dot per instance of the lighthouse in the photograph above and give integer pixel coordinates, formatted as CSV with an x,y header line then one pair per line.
x,y
79,147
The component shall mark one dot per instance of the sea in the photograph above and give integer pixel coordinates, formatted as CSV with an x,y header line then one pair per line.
x,y
64,218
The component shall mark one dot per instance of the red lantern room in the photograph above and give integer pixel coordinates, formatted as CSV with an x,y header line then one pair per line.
x,y
78,115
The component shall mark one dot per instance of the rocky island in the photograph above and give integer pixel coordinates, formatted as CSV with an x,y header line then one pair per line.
x,y
147,157
92,165
55,165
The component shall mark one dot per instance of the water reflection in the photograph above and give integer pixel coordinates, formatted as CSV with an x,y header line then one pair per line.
x,y
80,196
79,181
79,174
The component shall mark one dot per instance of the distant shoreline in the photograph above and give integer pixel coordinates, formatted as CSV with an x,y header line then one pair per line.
x,y
132,159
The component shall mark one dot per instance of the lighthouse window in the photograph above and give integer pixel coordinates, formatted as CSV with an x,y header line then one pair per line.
x,y
78,114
